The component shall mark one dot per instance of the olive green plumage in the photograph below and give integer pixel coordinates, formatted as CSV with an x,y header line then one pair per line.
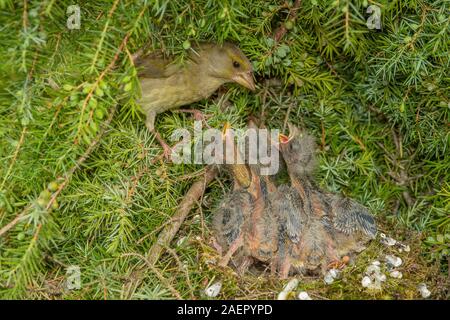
x,y
167,85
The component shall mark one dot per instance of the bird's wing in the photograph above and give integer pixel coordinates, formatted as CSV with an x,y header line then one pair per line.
x,y
288,205
155,65
229,217
350,217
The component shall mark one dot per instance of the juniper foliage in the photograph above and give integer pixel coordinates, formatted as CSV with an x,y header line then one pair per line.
x,y
377,100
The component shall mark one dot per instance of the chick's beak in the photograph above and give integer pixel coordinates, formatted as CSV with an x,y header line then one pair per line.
x,y
283,138
226,126
245,79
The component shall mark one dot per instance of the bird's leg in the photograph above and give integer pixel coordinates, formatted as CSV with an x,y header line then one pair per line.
x,y
167,150
150,121
285,268
335,264
281,264
217,246
338,263
244,265
231,250
273,267
276,265
150,124
198,115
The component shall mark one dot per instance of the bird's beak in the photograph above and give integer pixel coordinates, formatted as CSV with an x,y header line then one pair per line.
x,y
245,79
283,138
226,126
240,171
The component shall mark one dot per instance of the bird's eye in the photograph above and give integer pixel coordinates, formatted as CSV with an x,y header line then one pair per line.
x,y
236,64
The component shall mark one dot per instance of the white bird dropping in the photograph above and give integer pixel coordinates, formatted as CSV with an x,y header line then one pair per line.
x,y
213,290
328,279
394,261
387,240
366,282
424,290
304,296
331,275
288,288
396,274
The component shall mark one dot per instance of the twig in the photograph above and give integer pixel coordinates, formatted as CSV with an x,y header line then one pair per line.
x,y
264,97
170,230
25,15
322,138
16,152
182,268
281,31
12,223
194,193
288,112
97,82
157,273
69,174
102,38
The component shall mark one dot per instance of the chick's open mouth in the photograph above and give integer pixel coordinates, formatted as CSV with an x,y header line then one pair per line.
x,y
285,139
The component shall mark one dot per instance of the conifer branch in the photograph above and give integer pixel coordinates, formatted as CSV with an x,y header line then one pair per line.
x,y
97,82
67,178
157,273
13,161
170,230
292,16
102,37
191,197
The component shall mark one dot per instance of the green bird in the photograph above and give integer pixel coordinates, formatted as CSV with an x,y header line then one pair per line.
x,y
166,85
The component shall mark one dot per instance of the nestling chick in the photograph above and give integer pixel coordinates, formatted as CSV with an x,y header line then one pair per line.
x,y
298,151
267,246
291,220
352,223
257,221
232,222
166,85
229,223
315,249
281,223
337,226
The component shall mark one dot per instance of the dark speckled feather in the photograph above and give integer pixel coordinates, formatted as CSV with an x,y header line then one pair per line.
x,y
229,217
350,217
337,226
